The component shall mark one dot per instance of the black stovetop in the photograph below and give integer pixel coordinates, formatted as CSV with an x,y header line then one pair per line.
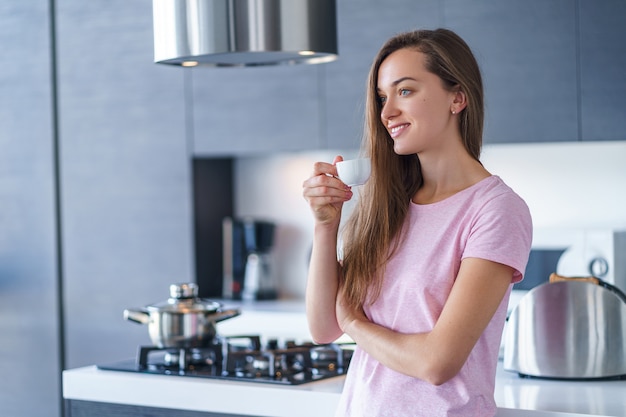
x,y
226,359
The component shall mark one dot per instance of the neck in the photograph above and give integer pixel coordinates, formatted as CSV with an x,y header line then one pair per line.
x,y
446,175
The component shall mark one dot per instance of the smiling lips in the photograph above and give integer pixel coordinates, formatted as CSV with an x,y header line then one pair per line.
x,y
395,131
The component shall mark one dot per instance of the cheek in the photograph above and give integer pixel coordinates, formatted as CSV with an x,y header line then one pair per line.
x,y
433,111
425,111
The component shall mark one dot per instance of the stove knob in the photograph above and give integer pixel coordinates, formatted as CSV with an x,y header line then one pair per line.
x,y
272,344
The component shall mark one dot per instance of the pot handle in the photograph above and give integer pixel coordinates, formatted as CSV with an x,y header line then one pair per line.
x,y
137,316
224,314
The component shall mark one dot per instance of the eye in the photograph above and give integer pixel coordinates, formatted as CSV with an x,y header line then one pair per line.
x,y
382,100
405,92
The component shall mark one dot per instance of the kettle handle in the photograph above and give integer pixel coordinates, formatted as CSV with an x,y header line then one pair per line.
x,y
137,316
554,277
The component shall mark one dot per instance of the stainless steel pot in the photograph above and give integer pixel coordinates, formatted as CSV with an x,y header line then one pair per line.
x,y
184,320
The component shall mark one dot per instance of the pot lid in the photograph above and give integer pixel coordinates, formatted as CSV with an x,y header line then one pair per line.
x,y
184,299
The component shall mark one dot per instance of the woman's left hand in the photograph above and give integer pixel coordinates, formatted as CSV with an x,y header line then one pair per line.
x,y
347,315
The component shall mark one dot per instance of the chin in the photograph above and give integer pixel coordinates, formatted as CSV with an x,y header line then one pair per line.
x,y
399,150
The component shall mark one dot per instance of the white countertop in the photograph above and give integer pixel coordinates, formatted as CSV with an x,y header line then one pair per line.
x,y
603,398
316,399
515,396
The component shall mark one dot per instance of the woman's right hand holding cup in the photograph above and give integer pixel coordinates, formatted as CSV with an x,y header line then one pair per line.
x,y
326,193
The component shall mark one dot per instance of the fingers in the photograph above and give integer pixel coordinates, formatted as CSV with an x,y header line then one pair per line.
x,y
325,193
326,189
338,158
325,168
324,181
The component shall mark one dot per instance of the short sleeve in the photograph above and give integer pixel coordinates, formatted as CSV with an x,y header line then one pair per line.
x,y
502,232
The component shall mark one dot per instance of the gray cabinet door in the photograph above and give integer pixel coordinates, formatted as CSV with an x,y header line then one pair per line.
x,y
527,52
603,69
241,111
363,28
126,175
94,409
29,344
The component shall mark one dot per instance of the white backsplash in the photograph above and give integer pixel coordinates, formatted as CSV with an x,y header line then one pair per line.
x,y
566,185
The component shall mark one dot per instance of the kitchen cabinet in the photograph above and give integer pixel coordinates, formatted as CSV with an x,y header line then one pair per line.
x,y
96,409
29,345
551,70
126,188
552,73
363,28
256,110
602,75
527,52
263,110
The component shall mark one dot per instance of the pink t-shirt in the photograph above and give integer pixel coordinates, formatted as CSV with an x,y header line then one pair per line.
x,y
487,220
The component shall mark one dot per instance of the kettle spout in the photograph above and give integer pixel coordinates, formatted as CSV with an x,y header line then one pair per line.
x,y
138,316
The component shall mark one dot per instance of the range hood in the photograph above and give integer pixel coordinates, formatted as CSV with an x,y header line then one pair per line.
x,y
225,33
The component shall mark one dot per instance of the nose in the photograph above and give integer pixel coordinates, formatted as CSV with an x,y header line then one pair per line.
x,y
389,111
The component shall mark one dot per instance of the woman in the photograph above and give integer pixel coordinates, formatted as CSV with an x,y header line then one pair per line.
x,y
432,249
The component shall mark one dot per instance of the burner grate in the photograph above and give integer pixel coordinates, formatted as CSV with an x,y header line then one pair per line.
x,y
243,358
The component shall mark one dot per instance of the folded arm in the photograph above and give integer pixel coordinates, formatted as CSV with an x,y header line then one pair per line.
x,y
438,355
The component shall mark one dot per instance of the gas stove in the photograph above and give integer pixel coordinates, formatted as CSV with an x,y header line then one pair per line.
x,y
243,358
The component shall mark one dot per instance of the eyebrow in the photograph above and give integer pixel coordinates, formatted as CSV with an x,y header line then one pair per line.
x,y
398,81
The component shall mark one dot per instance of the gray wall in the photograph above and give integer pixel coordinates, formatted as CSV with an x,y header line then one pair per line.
x,y
28,323
125,175
124,187
127,129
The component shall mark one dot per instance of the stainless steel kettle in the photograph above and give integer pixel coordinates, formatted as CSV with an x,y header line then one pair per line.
x,y
568,329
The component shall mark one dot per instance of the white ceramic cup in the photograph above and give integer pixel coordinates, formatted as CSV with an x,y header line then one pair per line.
x,y
354,171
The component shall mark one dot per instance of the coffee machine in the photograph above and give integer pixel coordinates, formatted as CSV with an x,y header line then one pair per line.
x,y
247,250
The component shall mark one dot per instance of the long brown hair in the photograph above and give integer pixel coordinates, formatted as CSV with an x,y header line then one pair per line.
x,y
374,229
